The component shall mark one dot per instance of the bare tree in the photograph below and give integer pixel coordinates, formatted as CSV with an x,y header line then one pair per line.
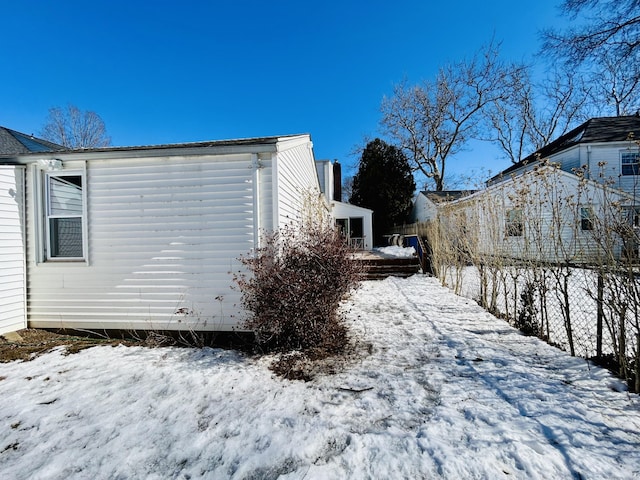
x,y
509,119
610,24
605,44
535,112
618,82
73,128
347,188
433,121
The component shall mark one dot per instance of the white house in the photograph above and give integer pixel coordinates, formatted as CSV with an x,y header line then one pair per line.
x,y
556,204
606,149
425,204
355,222
140,238
543,214
598,173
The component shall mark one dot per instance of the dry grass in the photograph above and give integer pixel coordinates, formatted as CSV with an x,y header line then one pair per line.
x,y
31,343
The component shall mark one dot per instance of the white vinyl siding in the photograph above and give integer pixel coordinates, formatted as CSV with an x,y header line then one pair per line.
x,y
606,165
296,177
164,236
12,255
266,194
547,219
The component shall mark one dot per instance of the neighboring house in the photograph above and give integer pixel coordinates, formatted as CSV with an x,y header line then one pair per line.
x,y
544,214
355,222
425,204
606,149
568,202
140,238
12,142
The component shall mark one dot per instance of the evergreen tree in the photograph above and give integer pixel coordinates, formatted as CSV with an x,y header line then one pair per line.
x,y
384,183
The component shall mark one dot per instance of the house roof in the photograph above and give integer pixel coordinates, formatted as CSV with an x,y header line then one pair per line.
x,y
594,130
445,195
16,143
203,144
271,141
554,170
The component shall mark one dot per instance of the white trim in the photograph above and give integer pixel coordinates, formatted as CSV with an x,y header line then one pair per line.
x,y
37,220
257,212
275,181
45,238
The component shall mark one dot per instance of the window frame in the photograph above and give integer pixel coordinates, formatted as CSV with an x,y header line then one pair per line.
x,y
587,218
345,227
631,215
514,223
630,243
630,168
47,216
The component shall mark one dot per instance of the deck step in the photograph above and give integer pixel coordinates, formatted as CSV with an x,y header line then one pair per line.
x,y
381,268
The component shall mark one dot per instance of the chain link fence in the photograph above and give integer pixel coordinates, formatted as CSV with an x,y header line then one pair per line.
x,y
587,311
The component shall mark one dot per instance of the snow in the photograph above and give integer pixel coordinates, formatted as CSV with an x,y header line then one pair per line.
x,y
442,390
396,252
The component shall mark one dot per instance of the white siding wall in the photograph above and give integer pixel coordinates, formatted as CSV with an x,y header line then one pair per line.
x,y
325,178
609,155
346,210
164,235
550,203
296,177
266,223
12,255
423,209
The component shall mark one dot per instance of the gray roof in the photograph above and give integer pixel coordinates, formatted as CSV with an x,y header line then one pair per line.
x,y
445,195
52,147
16,143
594,130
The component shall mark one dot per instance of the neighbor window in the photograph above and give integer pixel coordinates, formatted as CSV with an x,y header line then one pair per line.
x,y
630,163
630,244
586,218
514,226
64,215
631,216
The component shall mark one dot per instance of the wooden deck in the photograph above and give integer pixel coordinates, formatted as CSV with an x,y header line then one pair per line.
x,y
378,266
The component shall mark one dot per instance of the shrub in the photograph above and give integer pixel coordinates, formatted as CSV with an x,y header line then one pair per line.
x,y
294,287
527,320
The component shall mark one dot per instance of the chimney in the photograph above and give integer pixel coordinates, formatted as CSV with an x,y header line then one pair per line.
x,y
337,181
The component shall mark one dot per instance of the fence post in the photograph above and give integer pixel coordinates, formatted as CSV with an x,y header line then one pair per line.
x,y
599,321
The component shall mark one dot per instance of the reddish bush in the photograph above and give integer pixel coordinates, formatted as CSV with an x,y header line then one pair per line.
x,y
295,284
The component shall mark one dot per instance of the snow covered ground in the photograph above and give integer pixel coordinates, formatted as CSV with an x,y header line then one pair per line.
x,y
447,391
396,252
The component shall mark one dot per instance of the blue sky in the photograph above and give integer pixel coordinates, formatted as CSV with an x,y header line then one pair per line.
x,y
171,72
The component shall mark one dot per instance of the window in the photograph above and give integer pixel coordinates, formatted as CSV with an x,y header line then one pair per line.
x,y
343,226
352,229
514,226
631,234
64,226
586,218
631,216
630,163
356,227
